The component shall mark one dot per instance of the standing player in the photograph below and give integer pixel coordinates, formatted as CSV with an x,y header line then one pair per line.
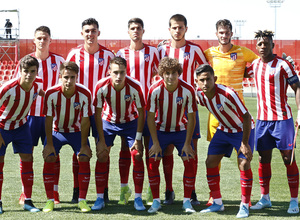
x,y
67,108
229,62
274,125
142,62
119,102
189,56
236,130
167,102
93,61
16,97
49,64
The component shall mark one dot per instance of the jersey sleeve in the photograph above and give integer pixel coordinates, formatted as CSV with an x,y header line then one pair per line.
x,y
249,55
48,105
192,103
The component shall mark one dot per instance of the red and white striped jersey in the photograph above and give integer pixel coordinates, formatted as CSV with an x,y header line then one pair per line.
x,y
190,56
119,106
169,107
92,67
67,112
227,108
141,64
272,81
49,72
15,102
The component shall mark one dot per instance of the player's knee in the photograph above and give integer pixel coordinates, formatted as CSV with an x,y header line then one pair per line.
x,y
244,164
169,150
50,159
83,158
103,157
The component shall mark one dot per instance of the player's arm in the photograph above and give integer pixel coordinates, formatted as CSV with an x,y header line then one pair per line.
x,y
49,148
101,145
1,141
42,93
85,150
155,148
296,88
187,148
137,145
245,147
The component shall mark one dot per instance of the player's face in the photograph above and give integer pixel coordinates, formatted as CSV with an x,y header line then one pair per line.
x,y
171,79
28,75
42,40
68,79
177,30
118,74
135,32
224,35
206,82
265,47
90,33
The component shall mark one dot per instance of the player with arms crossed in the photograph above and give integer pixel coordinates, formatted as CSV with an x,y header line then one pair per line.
x,y
167,102
16,98
274,125
67,107
120,106
235,131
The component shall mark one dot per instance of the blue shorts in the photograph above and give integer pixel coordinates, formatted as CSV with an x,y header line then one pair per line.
x,y
167,138
274,134
93,126
60,139
20,138
37,129
223,143
196,134
126,130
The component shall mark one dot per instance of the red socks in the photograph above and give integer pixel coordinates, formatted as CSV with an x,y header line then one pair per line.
x,y
138,172
188,177
84,178
48,176
265,174
57,170
124,165
293,178
246,179
154,177
1,178
75,167
101,175
27,177
213,180
168,163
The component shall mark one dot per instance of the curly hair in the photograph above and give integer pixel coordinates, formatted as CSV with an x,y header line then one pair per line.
x,y
169,64
265,33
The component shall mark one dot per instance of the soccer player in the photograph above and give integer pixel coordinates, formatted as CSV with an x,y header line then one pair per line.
x,y
93,61
235,131
49,64
67,107
142,62
229,62
167,102
120,105
274,125
189,55
16,98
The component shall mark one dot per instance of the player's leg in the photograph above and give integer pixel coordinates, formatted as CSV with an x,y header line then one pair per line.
x,y
1,180
168,164
2,153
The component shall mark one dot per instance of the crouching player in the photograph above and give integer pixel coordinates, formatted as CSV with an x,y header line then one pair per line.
x,y
167,100
67,107
236,130
16,98
119,102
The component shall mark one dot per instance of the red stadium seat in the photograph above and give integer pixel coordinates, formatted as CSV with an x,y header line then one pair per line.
x,y
3,67
8,73
10,62
1,78
9,66
6,78
1,72
4,62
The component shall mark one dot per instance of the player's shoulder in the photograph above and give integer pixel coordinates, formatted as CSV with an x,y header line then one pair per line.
x,y
9,85
54,88
132,81
105,49
38,79
186,85
82,88
103,81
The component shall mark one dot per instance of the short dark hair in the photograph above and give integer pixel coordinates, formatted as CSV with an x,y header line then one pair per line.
x,y
136,20
169,64
266,33
178,17
204,68
223,23
69,65
119,61
43,29
90,21
28,61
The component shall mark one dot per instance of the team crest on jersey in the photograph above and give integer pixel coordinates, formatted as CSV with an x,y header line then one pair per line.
x,y
54,66
127,98
220,107
81,61
233,56
186,56
101,61
77,105
273,71
147,57
34,96
179,100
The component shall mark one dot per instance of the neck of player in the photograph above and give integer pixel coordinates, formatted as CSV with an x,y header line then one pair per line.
x,y
224,48
91,48
42,55
136,45
178,43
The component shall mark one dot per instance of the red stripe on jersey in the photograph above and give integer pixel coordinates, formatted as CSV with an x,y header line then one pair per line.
x,y
178,109
14,107
137,65
108,100
81,65
126,118
91,71
185,62
58,109
161,105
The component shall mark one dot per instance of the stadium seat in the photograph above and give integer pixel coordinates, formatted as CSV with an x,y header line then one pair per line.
x,y
3,67
1,72
1,78
4,62
10,62
6,78
9,67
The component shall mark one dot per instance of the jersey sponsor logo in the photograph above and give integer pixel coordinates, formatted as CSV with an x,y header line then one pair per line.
x,y
54,66
77,105
220,107
233,56
101,61
147,57
186,56
127,98
179,100
34,96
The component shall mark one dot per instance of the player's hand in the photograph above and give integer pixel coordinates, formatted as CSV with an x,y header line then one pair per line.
x,y
246,150
138,145
1,141
188,150
101,147
48,149
85,150
155,150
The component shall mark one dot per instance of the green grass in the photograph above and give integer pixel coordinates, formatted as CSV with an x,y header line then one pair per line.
x,y
230,186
